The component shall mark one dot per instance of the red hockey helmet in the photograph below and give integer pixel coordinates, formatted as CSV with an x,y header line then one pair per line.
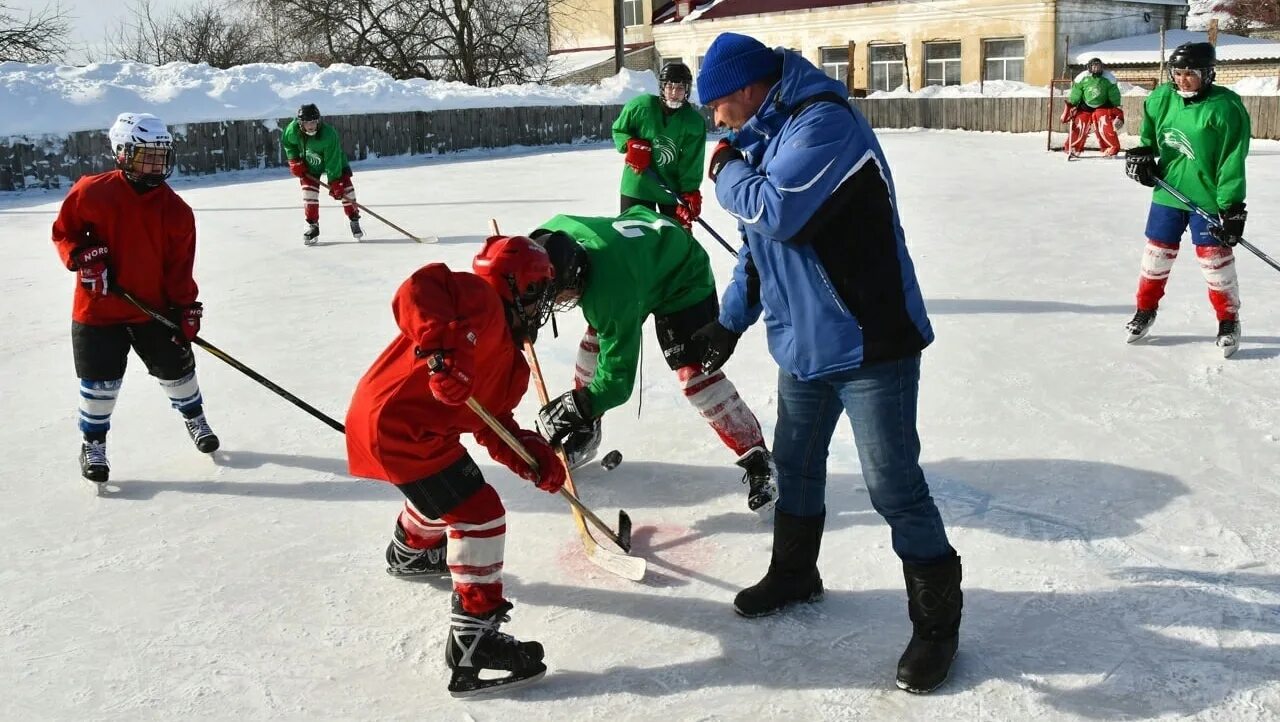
x,y
521,272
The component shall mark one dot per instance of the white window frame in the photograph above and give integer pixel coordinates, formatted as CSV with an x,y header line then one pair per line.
x,y
899,63
836,69
936,69
633,10
1003,59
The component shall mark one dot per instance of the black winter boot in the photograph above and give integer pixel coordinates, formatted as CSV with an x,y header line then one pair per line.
x,y
793,570
934,601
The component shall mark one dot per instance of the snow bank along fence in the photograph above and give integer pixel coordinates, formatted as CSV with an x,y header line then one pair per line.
x,y
51,161
1024,115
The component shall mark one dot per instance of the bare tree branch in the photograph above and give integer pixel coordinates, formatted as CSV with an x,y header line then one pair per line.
x,y
40,37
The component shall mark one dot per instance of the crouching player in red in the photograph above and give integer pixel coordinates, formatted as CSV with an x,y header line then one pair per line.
x,y
404,426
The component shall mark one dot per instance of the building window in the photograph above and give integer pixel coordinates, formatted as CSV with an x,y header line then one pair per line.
x,y
632,12
835,63
699,61
942,63
887,65
1003,59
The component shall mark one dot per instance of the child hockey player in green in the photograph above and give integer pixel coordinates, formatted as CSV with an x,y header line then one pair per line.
x,y
663,134
622,270
1195,135
314,148
1094,101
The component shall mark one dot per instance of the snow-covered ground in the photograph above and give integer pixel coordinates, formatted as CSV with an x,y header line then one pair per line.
x,y
1115,505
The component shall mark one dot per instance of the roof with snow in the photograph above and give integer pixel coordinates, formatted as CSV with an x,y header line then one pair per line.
x,y
1145,49
712,9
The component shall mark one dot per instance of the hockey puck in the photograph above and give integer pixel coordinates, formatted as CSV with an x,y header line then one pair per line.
x,y
611,460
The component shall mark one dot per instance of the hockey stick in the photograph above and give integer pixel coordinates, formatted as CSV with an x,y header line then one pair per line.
x,y
623,565
680,201
232,361
622,537
419,239
1213,221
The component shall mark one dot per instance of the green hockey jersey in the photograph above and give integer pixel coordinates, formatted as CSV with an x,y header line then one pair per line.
x,y
322,151
1202,145
640,263
1095,91
679,141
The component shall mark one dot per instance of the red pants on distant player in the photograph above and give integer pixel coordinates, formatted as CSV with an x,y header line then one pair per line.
x,y
1105,121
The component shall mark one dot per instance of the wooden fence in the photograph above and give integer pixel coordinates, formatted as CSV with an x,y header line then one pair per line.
x,y
202,148
1024,115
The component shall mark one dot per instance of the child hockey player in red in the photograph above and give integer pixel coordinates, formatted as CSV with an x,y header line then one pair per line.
x,y
404,426
314,148
127,229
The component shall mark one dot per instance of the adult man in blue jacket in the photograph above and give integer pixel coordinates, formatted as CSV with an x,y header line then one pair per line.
x,y
825,260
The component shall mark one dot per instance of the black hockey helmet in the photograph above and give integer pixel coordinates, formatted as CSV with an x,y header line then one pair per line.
x,y
676,73
308,112
571,263
1101,66
1195,56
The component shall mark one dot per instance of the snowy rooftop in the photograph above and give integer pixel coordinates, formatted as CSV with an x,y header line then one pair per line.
x,y
1146,48
61,99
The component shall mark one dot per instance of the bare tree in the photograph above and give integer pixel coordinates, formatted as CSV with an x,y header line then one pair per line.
x,y
218,34
1245,14
40,37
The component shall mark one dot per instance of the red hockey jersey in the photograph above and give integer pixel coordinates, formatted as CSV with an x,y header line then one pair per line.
x,y
396,429
151,239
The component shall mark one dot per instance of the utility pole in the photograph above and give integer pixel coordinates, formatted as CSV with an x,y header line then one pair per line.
x,y
618,51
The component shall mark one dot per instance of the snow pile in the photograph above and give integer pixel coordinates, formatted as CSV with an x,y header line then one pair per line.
x,y
1257,86
61,99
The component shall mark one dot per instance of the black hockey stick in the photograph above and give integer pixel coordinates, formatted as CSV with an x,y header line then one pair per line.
x,y
1213,221
680,201
232,361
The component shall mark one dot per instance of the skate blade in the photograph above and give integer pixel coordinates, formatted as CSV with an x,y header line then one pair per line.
x,y
466,685
100,488
417,575
1229,350
1133,337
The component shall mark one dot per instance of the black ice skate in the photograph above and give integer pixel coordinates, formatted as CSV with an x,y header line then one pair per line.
x,y
405,561
1228,337
198,429
356,231
1140,324
582,446
761,491
310,235
93,461
475,644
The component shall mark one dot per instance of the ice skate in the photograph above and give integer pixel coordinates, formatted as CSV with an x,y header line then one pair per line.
x,y
1140,324
475,644
405,561
1228,337
93,462
310,235
356,231
198,429
761,490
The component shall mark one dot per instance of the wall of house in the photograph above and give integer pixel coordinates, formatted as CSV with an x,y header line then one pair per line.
x,y
589,24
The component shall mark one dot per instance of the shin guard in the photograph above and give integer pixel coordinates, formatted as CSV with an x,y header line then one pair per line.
x,y
1218,264
1157,262
717,400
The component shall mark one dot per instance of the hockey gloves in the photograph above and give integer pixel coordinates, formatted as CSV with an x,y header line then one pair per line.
x,y
297,167
1142,165
90,261
550,475
338,188
569,412
690,208
1232,228
720,343
722,154
189,320
639,154
451,379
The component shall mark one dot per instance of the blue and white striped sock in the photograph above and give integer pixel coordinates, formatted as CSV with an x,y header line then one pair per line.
x,y
184,395
97,401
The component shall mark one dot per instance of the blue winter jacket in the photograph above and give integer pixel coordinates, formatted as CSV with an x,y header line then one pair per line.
x,y
824,256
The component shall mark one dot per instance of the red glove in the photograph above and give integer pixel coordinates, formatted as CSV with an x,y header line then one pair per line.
x,y
338,188
297,167
722,154
550,475
451,378
91,263
189,320
639,154
688,211
1068,112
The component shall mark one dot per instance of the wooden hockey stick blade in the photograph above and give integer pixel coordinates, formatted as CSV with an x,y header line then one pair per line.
x,y
623,565
427,239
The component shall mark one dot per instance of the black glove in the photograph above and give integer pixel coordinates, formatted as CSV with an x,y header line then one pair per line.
x,y
1142,165
723,153
720,343
1232,228
567,413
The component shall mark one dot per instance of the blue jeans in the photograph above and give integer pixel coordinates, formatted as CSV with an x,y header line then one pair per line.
x,y
880,401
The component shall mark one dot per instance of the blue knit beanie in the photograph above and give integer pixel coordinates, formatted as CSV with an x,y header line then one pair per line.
x,y
733,62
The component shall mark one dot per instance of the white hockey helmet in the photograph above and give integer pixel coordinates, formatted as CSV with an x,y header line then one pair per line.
x,y
142,147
